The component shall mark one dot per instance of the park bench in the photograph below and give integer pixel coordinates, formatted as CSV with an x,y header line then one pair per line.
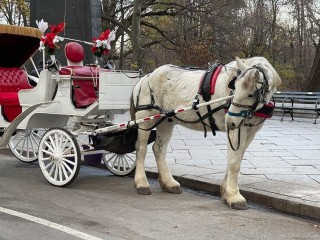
x,y
298,102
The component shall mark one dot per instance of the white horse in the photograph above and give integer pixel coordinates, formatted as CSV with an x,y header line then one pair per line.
x,y
170,87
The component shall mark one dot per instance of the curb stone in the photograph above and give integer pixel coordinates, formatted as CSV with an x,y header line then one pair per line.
x,y
269,200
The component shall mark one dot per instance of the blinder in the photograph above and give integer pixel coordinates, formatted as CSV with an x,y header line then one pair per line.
x,y
232,83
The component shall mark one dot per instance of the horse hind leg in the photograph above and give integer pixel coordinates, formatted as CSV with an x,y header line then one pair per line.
x,y
140,179
164,133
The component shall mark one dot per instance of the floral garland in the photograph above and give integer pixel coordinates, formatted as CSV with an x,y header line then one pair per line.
x,y
49,41
102,44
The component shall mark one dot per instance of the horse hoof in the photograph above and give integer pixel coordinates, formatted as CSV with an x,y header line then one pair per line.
x,y
239,206
174,190
144,191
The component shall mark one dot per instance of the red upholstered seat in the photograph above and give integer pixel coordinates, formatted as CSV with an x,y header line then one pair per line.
x,y
74,53
11,112
84,92
80,71
12,80
83,77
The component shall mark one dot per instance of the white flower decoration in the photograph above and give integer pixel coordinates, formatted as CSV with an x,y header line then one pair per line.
x,y
112,36
42,25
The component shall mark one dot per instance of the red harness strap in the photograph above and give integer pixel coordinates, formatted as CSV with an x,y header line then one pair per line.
x,y
266,111
214,79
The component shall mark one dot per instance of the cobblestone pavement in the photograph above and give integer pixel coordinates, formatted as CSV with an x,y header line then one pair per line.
x,y
281,168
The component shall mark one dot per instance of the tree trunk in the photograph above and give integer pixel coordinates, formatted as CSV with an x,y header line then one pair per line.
x,y
136,34
313,80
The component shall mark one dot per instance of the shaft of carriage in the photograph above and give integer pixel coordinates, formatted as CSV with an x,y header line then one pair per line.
x,y
154,117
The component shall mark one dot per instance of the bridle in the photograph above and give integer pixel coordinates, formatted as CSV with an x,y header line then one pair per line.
x,y
260,95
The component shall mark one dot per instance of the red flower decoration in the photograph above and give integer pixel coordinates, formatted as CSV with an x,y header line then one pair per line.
x,y
49,39
102,44
57,29
103,36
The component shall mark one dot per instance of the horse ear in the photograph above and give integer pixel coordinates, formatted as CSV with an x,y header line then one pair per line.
x,y
241,64
256,75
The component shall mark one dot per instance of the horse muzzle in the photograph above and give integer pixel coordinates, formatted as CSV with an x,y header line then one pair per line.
x,y
233,122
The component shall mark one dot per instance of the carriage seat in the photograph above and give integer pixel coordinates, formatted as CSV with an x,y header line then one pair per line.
x,y
12,80
83,77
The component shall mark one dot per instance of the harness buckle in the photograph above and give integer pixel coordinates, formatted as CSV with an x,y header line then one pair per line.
x,y
195,102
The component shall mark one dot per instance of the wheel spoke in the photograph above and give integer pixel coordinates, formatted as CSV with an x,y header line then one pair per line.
x,y
66,166
49,146
49,165
56,172
52,143
56,140
32,146
67,150
27,150
128,163
69,155
35,139
115,160
62,166
60,172
111,158
60,141
68,161
52,169
47,152
23,143
15,146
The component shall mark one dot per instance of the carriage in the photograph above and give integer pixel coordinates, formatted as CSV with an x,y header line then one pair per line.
x,y
46,117
73,101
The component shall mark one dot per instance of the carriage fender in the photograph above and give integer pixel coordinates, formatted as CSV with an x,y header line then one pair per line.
x,y
15,123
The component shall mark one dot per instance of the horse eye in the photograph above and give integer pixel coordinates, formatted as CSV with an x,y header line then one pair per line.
x,y
250,95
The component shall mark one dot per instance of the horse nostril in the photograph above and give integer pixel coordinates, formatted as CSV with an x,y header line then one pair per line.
x,y
231,125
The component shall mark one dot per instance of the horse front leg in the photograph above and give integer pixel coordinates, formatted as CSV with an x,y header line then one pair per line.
x,y
164,133
229,187
140,178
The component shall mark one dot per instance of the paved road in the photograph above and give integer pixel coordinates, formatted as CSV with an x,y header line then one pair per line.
x,y
101,206
280,169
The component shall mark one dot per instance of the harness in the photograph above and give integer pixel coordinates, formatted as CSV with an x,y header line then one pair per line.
x,y
206,89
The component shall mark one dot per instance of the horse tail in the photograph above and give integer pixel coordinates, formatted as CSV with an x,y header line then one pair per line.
x,y
133,108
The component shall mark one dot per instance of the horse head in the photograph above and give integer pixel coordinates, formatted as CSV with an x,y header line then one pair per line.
x,y
252,89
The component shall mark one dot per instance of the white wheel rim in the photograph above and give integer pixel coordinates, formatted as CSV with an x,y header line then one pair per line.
x,y
58,157
119,164
25,144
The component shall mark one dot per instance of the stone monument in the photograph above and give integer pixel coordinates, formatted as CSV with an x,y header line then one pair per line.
x,y
82,18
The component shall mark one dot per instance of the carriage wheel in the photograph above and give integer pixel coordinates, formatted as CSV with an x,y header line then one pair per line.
x,y
24,144
120,164
59,157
